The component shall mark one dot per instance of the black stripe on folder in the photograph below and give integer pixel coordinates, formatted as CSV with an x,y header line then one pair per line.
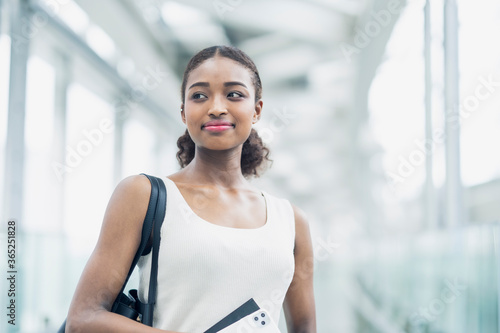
x,y
244,310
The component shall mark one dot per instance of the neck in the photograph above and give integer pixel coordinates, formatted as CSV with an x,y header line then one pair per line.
x,y
220,167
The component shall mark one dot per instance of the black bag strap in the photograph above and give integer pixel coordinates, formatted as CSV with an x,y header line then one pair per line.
x,y
147,314
155,213
157,186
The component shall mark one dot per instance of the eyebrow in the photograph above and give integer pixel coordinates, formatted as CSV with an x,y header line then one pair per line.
x,y
226,84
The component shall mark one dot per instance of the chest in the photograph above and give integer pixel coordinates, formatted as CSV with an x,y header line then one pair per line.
x,y
234,209
220,256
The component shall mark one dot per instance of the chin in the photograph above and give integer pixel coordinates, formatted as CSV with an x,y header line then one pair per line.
x,y
218,145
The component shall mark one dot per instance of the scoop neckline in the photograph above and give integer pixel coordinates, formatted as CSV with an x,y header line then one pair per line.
x,y
199,218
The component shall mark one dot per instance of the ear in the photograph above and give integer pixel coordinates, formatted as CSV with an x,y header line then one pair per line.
x,y
183,114
257,111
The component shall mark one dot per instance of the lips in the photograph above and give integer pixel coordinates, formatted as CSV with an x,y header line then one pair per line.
x,y
217,125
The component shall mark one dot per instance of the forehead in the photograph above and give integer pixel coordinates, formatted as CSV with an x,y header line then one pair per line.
x,y
220,69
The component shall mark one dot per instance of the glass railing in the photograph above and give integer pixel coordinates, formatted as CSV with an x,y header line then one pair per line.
x,y
440,281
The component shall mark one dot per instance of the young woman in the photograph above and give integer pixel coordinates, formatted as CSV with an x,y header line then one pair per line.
x,y
223,241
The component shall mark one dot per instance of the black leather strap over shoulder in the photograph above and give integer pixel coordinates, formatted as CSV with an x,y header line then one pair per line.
x,y
130,306
147,315
146,231
154,218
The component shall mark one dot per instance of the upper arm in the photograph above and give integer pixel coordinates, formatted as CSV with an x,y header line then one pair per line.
x,y
118,242
299,304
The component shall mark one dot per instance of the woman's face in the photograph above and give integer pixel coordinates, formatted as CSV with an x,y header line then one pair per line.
x,y
220,105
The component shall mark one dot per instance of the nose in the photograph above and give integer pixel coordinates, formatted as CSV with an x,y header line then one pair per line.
x,y
217,108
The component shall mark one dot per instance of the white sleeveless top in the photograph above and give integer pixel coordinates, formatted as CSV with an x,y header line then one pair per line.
x,y
205,271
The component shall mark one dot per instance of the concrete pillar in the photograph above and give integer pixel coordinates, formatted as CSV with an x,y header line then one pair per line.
x,y
454,210
14,149
430,190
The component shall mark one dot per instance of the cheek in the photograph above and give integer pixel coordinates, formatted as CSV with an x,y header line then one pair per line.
x,y
192,115
245,122
192,125
244,131
193,130
245,115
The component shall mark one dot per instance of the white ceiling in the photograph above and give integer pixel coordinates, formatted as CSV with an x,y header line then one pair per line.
x,y
297,48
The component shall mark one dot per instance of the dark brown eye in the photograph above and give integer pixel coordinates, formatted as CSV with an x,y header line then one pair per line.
x,y
198,96
234,94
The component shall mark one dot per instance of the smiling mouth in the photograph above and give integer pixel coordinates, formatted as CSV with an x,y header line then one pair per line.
x,y
217,128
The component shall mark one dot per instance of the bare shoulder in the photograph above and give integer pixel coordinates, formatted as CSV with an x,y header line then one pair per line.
x,y
301,221
127,208
134,185
131,195
302,230
300,216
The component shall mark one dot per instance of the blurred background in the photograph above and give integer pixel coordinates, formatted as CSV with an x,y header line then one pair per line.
x,y
383,118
